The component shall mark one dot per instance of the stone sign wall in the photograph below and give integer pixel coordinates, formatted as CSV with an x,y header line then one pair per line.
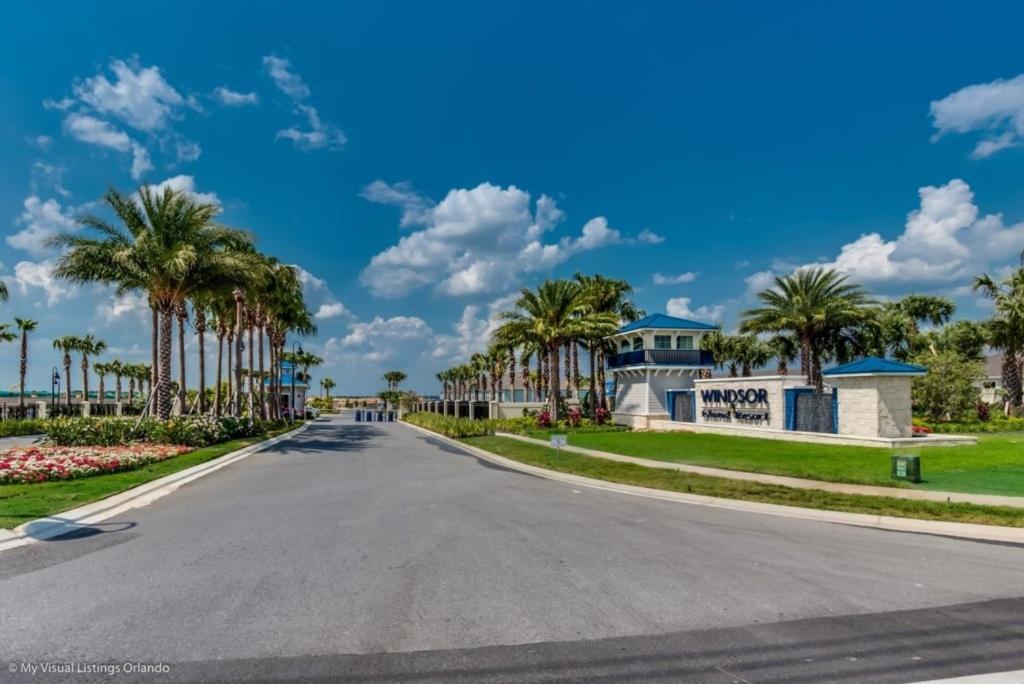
x,y
744,402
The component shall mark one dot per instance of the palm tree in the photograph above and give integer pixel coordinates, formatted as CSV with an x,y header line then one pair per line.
x,y
750,353
394,378
88,346
25,325
67,344
555,313
722,348
328,384
604,295
168,246
816,305
116,368
102,370
1006,327
785,350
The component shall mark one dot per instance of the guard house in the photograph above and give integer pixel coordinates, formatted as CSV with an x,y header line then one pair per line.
x,y
301,387
655,354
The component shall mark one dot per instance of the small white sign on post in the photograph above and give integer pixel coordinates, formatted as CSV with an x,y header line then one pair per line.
x,y
559,441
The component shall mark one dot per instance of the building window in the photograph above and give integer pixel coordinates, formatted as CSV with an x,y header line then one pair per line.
x,y
625,346
684,342
662,341
638,343
989,384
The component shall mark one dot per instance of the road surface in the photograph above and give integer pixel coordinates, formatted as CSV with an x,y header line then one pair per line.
x,y
371,552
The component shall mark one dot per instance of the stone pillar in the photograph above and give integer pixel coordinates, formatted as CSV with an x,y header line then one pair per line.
x,y
118,408
874,405
42,410
86,409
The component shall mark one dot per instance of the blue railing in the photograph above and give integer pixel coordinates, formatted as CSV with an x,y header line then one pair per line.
x,y
661,357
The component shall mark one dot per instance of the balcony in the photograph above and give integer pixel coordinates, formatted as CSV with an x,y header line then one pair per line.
x,y
661,357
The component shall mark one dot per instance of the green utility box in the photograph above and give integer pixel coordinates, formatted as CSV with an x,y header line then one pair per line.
x,y
906,467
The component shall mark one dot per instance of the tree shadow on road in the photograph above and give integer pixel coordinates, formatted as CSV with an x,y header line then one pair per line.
x,y
327,438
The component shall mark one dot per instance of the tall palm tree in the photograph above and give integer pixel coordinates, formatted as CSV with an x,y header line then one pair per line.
x,y
785,350
67,344
116,368
328,384
816,305
25,325
394,378
1006,327
102,370
88,346
604,295
751,353
167,245
555,313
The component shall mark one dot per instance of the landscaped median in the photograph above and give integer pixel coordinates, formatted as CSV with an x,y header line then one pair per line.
x,y
720,487
76,475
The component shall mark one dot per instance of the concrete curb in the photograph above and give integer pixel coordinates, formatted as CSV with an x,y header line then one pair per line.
x,y
143,495
994,533
795,482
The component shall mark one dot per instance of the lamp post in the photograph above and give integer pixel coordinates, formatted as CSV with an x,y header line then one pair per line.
x,y
295,357
54,388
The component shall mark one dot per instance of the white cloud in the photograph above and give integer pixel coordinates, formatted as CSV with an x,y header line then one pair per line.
x,y
138,96
678,279
187,185
472,332
287,81
680,306
48,176
378,340
474,241
40,221
649,237
187,150
43,142
995,108
331,310
762,280
943,241
320,134
95,131
31,275
117,307
232,98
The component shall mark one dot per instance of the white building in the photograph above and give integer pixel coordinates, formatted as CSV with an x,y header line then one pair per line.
x,y
655,354
301,387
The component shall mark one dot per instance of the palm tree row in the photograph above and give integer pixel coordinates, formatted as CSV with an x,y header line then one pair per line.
x,y
167,246
550,324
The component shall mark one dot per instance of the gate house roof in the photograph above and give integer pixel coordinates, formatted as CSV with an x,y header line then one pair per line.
x,y
663,321
875,364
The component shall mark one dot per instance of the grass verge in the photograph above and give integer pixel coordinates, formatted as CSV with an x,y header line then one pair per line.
x,y
20,503
992,466
628,473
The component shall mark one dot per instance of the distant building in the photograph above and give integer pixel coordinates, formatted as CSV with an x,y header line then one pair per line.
x,y
301,389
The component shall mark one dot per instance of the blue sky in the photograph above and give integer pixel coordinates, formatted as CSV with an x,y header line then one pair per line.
x,y
421,161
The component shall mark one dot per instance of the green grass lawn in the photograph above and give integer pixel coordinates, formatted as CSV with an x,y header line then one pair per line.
x,y
994,466
20,503
671,480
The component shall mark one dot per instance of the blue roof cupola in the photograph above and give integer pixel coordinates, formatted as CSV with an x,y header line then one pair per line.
x,y
875,365
665,322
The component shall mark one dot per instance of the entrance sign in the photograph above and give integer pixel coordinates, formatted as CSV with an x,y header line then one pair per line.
x,y
559,441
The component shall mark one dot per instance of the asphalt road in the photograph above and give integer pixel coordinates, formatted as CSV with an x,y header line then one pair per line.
x,y
370,552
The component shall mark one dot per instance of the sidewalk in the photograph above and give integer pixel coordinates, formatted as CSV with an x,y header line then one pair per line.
x,y
796,482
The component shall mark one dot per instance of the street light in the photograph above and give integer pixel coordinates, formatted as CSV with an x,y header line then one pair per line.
x,y
54,388
295,357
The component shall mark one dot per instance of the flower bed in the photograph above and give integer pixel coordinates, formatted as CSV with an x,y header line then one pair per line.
x,y
46,463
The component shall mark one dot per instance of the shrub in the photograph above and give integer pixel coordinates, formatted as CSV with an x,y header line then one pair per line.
x,y
574,418
544,419
192,431
950,391
449,426
601,415
983,412
22,427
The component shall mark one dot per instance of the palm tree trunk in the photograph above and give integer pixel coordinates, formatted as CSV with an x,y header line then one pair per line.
x,y
238,353
601,379
217,392
252,386
163,387
805,358
201,339
1010,372
512,373
230,374
154,368
182,314
85,377
117,387
576,369
22,369
263,392
568,365
591,353
272,379
102,391
67,378
553,380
